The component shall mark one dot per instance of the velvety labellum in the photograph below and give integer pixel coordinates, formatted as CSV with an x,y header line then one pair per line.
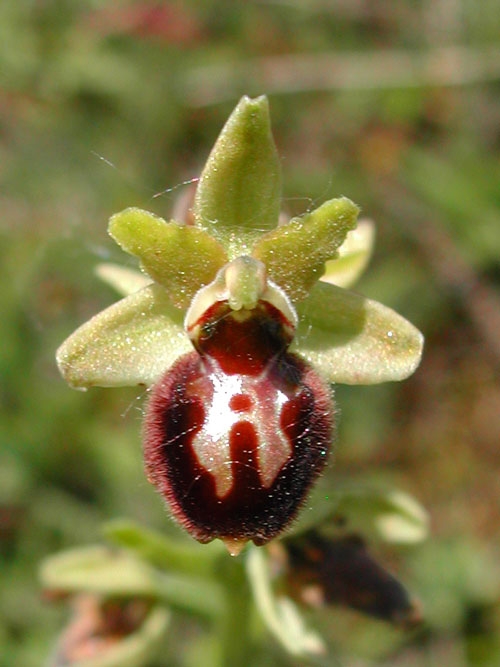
x,y
237,430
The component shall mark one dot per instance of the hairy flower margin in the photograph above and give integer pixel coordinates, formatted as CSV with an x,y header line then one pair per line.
x,y
235,252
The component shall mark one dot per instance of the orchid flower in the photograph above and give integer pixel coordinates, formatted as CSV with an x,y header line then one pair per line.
x,y
239,324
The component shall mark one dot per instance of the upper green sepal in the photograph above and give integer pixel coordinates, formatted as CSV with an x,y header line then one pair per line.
x,y
295,253
179,257
239,191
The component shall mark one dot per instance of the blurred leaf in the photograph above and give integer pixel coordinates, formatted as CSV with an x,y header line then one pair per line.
x,y
99,570
388,515
108,572
125,281
163,551
392,516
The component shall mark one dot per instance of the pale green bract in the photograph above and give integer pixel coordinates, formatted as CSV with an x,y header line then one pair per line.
x,y
236,207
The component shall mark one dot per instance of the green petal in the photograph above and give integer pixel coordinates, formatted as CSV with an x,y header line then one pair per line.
x,y
132,342
181,258
353,256
240,187
354,340
295,253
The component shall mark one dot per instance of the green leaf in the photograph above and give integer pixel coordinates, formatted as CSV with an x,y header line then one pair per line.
x,y
354,340
353,256
182,258
132,342
295,253
240,187
163,551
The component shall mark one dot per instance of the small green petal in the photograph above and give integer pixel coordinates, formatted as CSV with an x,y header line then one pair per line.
x,y
295,253
132,342
354,340
181,258
125,281
240,187
353,256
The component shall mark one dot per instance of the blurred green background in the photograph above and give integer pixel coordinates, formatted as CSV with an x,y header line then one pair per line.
x,y
395,104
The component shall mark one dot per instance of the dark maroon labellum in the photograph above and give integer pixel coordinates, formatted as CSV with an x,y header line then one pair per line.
x,y
237,431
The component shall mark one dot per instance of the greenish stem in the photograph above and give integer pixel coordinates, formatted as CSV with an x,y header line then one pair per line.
x,y
234,631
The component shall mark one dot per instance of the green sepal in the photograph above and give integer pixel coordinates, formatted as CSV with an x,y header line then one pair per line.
x,y
295,253
354,340
132,342
179,257
280,615
239,191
